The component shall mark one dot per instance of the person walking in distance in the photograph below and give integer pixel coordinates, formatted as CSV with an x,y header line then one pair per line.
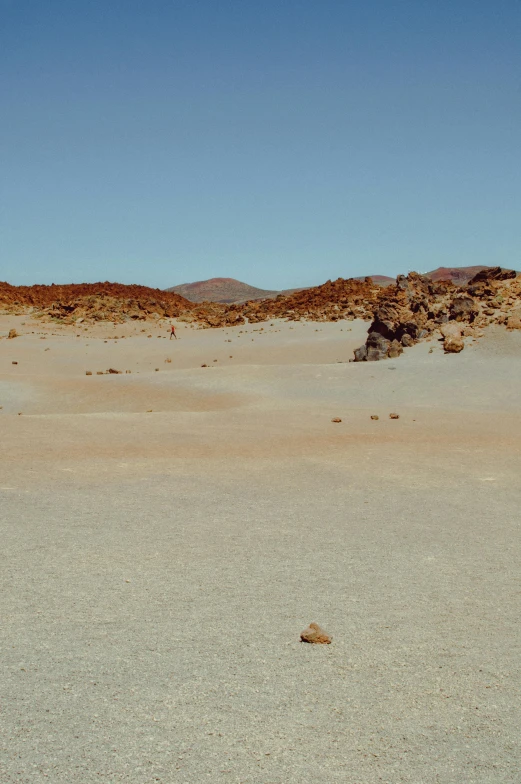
x,y
172,332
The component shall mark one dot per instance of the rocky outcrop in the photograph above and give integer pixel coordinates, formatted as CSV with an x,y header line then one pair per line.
x,y
412,309
332,301
491,274
417,307
92,302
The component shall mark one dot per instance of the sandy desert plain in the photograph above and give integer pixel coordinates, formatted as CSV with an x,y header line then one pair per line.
x,y
167,534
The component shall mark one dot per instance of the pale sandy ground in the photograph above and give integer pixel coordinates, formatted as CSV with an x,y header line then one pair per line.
x,y
167,534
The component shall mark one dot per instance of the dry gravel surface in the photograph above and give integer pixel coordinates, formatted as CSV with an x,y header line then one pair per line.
x,y
158,568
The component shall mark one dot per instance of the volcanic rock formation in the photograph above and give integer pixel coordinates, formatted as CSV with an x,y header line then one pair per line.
x,y
416,307
402,314
92,302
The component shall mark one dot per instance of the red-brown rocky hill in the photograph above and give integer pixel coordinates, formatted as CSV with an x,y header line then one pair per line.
x,y
460,276
93,301
228,291
224,290
331,301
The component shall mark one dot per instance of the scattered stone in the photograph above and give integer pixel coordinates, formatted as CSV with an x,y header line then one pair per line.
x,y
88,372
396,348
394,416
114,371
360,354
451,330
336,419
157,370
14,363
204,365
128,371
514,321
453,345
314,634
12,334
375,416
100,373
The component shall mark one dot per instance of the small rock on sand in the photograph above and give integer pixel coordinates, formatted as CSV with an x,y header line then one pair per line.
x,y
374,416
315,634
12,334
88,372
514,322
336,419
453,344
451,330
394,416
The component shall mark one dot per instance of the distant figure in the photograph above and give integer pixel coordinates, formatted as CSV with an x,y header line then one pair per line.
x,y
172,332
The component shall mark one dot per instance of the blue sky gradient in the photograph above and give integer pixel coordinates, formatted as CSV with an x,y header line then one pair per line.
x,y
281,143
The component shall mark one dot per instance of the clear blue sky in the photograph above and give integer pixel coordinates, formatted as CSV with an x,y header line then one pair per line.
x,y
281,143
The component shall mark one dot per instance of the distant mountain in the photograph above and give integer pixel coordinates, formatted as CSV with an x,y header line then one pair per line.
x,y
225,290
380,280
458,275
229,290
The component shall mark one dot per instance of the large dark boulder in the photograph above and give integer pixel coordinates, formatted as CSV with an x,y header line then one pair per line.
x,y
377,347
361,354
463,309
492,273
